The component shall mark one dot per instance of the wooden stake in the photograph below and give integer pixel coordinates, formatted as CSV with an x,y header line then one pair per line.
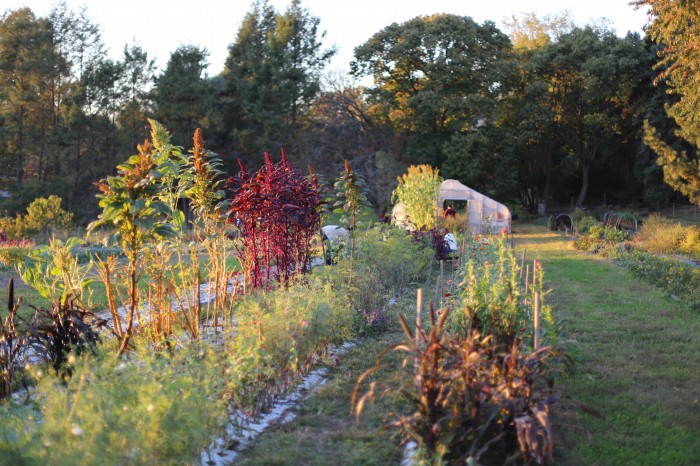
x,y
419,311
536,319
527,277
442,279
522,263
535,264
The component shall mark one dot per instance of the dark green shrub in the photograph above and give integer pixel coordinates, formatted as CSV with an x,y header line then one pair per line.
x,y
583,223
15,252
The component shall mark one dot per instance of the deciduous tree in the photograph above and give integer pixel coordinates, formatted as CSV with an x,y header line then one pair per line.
x,y
436,77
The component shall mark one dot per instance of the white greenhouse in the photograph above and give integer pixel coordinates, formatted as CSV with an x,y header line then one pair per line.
x,y
484,214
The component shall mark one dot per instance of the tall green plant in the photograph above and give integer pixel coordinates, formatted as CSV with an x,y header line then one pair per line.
x,y
132,206
351,191
202,180
53,271
418,191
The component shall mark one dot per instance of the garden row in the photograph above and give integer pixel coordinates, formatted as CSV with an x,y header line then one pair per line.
x,y
663,252
186,372
480,388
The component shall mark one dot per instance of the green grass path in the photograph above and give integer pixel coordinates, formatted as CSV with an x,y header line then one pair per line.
x,y
637,361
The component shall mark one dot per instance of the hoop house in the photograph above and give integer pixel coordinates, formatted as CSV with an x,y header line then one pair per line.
x,y
484,214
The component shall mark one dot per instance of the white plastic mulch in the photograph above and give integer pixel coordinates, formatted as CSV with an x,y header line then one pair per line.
x,y
225,449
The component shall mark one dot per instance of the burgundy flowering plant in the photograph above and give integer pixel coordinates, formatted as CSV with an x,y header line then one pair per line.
x,y
276,212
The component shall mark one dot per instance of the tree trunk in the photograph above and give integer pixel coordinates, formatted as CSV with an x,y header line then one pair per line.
x,y
584,185
20,145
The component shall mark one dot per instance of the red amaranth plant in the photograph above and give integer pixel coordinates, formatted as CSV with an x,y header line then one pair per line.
x,y
276,212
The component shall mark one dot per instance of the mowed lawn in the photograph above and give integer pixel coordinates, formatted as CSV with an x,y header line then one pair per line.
x,y
636,358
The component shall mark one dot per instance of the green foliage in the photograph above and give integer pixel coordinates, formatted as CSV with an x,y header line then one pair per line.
x,y
483,159
435,77
10,226
140,204
690,245
590,76
583,223
293,325
671,275
43,215
674,25
644,255
131,203
202,182
660,235
53,270
14,252
418,191
182,93
387,261
160,410
351,192
532,32
488,285
272,75
602,238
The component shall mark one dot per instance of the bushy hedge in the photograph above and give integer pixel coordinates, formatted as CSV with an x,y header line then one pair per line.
x,y
154,409
660,235
650,254
670,274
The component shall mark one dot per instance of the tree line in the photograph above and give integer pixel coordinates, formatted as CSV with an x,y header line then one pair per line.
x,y
545,112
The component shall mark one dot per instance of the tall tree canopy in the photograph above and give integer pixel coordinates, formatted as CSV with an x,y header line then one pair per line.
x,y
182,93
272,75
437,78
28,68
591,76
532,32
676,27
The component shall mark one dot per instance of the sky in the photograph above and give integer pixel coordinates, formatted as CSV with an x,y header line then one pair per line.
x,y
160,26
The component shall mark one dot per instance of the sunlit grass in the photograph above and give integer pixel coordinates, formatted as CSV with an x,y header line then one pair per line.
x,y
637,361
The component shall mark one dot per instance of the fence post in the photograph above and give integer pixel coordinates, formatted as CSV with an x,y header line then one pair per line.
x,y
536,309
536,319
527,278
419,310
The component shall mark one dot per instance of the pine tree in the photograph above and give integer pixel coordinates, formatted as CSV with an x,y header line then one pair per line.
x,y
676,27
